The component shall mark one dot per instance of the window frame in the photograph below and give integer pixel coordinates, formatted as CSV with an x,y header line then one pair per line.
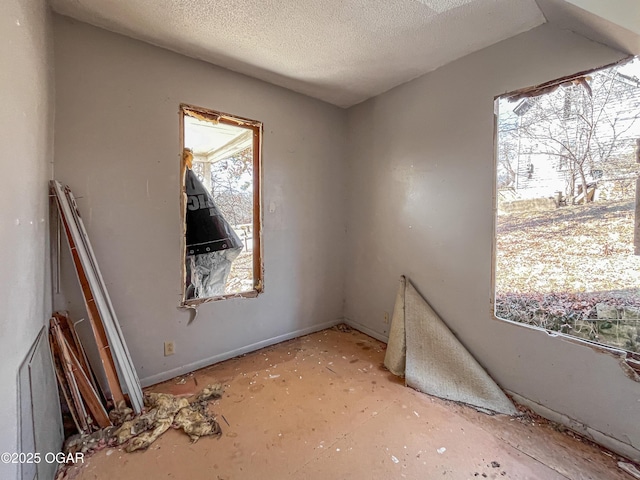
x,y
258,269
630,361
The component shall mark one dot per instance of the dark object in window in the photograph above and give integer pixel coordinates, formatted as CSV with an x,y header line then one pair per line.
x,y
207,229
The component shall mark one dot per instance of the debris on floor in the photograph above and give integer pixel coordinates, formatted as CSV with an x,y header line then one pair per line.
x,y
280,429
162,411
343,327
89,442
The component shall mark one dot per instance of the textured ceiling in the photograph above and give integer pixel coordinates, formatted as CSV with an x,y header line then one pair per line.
x,y
340,51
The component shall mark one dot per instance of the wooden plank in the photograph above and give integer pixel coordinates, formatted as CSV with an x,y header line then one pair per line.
x,y
64,328
257,213
98,300
71,335
54,329
64,388
89,395
75,396
115,392
128,375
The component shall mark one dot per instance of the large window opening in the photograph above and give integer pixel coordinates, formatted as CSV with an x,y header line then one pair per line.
x,y
221,208
567,248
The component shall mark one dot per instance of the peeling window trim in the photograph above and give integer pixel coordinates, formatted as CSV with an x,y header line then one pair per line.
x,y
205,114
551,85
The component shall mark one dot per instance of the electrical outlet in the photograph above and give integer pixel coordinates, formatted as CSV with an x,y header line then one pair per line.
x,y
386,318
169,348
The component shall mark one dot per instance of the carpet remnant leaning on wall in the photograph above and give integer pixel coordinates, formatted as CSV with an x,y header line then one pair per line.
x,y
423,350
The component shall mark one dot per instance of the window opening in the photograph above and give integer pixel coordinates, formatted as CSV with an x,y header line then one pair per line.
x,y
221,208
567,239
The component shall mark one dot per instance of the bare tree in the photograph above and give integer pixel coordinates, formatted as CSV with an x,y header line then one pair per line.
x,y
584,124
508,143
232,182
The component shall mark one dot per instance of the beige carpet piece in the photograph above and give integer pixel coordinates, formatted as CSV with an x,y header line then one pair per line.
x,y
436,362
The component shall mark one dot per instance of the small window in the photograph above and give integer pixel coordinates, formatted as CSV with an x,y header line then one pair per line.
x,y
567,244
221,219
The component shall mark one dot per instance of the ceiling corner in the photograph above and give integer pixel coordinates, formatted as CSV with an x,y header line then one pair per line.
x,y
613,23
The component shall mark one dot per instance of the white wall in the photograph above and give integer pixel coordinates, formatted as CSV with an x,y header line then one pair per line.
x,y
117,146
621,12
26,153
418,195
421,181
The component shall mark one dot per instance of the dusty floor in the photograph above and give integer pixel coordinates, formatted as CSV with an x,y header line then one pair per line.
x,y
323,407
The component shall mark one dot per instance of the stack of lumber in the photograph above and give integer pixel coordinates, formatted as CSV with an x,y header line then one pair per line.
x,y
75,377
87,398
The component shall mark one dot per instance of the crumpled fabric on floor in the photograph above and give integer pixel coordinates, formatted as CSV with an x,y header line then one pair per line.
x,y
162,411
165,410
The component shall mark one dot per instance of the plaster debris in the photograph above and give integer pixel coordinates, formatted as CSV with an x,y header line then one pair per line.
x,y
121,413
91,442
343,327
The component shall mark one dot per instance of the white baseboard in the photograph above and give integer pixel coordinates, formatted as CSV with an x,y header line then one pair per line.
x,y
364,329
596,436
205,362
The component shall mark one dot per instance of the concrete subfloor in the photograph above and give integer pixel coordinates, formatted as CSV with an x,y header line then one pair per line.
x,y
323,407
